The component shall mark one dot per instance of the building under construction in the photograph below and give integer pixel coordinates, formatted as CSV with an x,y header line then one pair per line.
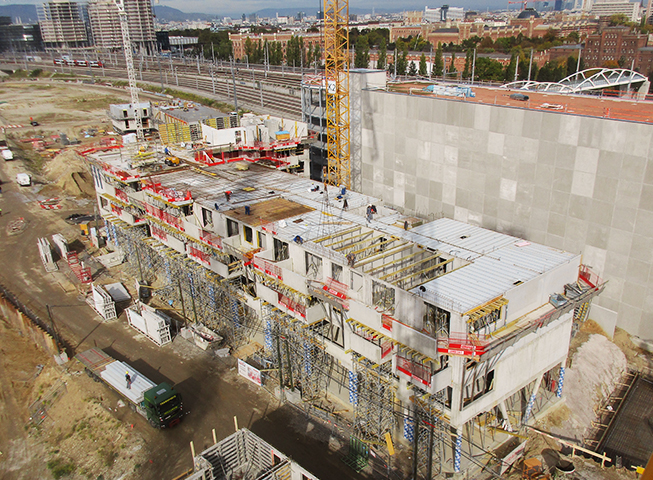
x,y
439,332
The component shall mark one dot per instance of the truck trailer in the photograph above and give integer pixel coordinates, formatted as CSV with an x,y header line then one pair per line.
x,y
160,404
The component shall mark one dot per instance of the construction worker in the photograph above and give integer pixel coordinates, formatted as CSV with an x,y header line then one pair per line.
x,y
128,379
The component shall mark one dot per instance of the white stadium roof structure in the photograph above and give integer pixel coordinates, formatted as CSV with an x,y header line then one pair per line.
x,y
584,81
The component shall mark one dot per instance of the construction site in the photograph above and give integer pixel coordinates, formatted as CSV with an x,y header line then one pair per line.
x,y
456,288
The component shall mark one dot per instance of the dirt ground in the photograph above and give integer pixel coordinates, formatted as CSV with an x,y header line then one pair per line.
x,y
78,434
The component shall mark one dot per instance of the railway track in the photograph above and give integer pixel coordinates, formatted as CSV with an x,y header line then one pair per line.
x,y
258,90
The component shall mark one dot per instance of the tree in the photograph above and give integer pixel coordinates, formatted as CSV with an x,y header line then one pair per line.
x,y
618,19
546,73
422,66
383,53
573,37
317,54
249,49
510,69
412,69
362,52
309,55
469,57
402,62
572,62
278,54
452,65
488,69
438,63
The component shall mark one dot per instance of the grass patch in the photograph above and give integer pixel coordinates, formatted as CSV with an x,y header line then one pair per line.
x,y
60,468
108,456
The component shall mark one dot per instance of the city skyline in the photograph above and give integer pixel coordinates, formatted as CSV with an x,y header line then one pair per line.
x,y
232,8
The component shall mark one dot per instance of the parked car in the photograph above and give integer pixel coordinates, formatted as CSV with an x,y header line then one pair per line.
x,y
519,96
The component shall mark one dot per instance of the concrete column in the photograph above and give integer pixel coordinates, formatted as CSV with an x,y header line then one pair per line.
x,y
504,413
531,401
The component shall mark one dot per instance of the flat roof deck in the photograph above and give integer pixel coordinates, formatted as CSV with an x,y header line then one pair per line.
x,y
621,108
414,260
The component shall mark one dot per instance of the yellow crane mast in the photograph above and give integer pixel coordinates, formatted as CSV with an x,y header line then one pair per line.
x,y
336,51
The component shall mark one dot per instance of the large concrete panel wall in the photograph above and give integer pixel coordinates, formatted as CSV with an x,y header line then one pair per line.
x,y
576,183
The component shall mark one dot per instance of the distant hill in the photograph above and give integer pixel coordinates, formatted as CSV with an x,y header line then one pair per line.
x,y
308,10
169,14
20,13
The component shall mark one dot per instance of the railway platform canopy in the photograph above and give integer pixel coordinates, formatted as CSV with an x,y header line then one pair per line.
x,y
588,81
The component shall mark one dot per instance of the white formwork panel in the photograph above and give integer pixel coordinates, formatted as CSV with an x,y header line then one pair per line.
x,y
150,323
136,321
45,251
62,245
103,303
158,329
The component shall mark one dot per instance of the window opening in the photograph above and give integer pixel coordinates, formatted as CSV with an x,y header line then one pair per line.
x,y
232,228
249,234
280,250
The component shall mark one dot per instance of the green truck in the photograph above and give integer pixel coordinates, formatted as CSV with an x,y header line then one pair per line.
x,y
160,404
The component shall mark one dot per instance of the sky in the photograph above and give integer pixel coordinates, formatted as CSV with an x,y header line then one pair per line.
x,y
235,8
238,7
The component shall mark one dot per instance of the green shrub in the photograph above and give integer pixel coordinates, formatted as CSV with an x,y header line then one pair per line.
x,y
60,468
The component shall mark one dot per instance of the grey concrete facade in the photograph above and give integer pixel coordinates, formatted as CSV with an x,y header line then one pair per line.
x,y
581,184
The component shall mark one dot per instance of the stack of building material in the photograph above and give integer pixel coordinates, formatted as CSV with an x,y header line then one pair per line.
x,y
81,271
61,244
45,251
114,375
150,323
102,303
174,133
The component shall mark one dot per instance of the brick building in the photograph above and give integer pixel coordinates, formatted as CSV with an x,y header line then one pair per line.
x,y
613,44
238,40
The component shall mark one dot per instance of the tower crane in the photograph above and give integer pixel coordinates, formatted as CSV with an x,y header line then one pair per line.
x,y
336,50
131,74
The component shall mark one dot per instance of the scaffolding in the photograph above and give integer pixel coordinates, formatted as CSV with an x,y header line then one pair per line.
x,y
372,392
429,431
297,352
200,295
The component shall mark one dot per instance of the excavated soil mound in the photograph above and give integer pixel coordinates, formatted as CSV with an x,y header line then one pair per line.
x,y
69,172
596,368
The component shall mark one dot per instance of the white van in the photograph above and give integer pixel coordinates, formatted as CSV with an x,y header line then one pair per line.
x,y
24,179
7,154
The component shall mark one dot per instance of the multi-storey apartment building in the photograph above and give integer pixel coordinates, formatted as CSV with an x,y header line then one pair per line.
x,y
417,326
64,24
105,23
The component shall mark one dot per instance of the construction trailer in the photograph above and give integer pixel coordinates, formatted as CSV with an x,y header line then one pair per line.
x,y
246,456
443,333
